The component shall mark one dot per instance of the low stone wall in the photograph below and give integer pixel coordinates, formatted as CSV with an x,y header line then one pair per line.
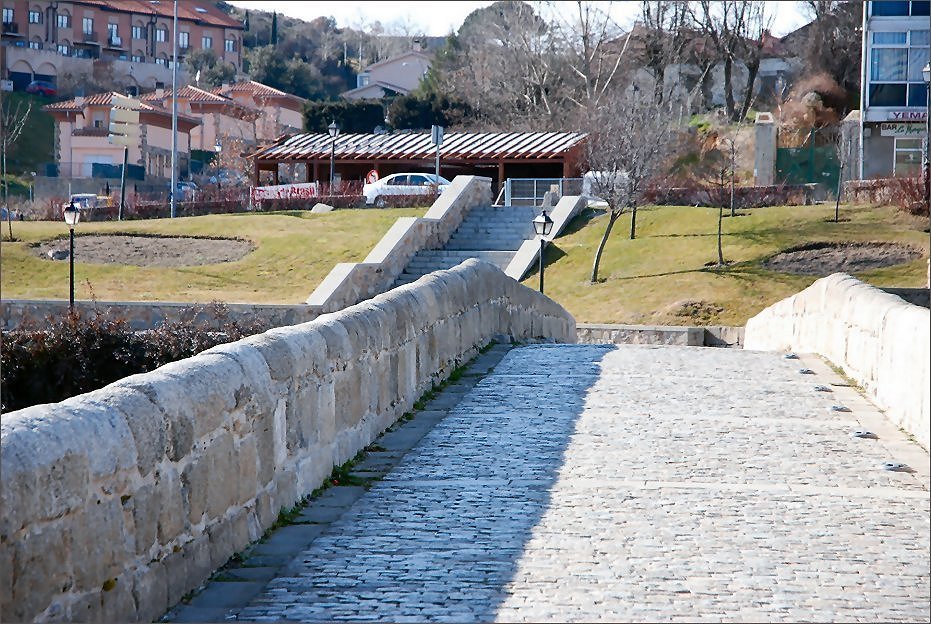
x,y
712,336
117,502
879,340
352,282
143,315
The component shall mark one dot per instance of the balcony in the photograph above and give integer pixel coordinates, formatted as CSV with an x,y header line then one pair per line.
x,y
115,42
90,37
11,29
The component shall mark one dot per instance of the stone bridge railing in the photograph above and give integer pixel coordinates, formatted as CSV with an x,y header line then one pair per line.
x,y
879,340
117,502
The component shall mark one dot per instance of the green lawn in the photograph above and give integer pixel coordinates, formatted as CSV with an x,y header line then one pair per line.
x,y
294,252
661,277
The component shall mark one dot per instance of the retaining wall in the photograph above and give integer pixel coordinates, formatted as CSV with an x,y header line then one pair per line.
x,y
117,502
878,339
352,282
711,336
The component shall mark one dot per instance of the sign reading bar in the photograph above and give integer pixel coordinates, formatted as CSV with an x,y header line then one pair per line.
x,y
902,130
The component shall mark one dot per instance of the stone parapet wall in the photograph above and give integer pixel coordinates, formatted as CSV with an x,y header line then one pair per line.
x,y
117,502
879,340
141,315
352,282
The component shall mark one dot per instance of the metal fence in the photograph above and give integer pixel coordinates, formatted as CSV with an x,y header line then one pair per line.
x,y
530,191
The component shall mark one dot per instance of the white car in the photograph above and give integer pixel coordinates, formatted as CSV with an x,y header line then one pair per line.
x,y
377,193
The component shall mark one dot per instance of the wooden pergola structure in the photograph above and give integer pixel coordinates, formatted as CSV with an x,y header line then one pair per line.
x,y
498,155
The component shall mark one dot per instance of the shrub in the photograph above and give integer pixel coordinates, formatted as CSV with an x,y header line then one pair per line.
x,y
907,194
76,353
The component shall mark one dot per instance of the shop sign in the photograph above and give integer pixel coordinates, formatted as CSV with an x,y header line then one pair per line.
x,y
902,130
907,115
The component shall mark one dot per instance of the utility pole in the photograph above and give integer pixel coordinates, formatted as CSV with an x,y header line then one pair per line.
x,y
174,110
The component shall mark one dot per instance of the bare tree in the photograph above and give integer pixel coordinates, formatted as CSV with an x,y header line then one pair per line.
x,y
664,38
844,141
630,141
13,118
735,29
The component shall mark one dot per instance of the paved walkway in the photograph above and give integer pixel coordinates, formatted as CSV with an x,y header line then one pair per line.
x,y
632,483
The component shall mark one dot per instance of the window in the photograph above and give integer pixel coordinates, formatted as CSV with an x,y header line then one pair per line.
x,y
401,180
161,61
63,21
35,45
907,157
87,25
899,8
7,16
35,17
229,45
138,32
161,34
206,42
113,31
896,61
64,49
184,40
138,58
362,80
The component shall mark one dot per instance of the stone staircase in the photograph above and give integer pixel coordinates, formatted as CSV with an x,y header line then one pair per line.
x,y
489,233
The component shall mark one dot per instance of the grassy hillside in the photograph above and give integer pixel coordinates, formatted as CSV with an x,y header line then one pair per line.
x,y
294,252
661,277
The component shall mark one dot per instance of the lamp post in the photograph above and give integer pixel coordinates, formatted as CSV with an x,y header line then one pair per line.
x,y
333,129
32,186
542,226
72,215
926,165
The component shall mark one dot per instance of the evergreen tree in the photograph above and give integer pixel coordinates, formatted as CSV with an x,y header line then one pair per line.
x,y
273,39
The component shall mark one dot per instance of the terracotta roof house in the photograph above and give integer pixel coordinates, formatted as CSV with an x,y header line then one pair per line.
x,y
281,113
81,130
220,117
129,41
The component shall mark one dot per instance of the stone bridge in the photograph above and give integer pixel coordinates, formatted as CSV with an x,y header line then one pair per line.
x,y
546,482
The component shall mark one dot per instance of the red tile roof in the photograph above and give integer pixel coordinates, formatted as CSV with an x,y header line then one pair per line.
x,y
199,11
193,94
254,88
105,99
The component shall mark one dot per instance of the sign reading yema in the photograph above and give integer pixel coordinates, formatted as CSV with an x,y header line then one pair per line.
x,y
902,130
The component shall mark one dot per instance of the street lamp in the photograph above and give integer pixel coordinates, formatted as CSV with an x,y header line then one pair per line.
x,y
72,216
333,129
542,226
32,186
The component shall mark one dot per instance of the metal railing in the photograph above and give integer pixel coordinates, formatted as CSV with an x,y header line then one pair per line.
x,y
530,191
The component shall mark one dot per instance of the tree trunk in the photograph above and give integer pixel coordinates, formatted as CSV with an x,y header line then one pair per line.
x,y
840,185
729,87
707,87
601,246
720,222
633,222
752,71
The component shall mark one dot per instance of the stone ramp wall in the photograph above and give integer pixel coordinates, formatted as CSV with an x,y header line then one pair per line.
x,y
117,502
878,339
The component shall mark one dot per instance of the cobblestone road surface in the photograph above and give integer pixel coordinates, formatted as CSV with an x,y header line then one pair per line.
x,y
602,483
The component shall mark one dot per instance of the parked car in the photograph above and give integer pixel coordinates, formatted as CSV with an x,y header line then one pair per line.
x,y
377,192
41,87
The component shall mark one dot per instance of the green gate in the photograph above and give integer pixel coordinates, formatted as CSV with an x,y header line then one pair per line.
x,y
815,161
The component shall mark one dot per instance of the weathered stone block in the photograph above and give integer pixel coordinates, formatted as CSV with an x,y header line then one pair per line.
x,y
222,491
173,514
41,570
100,545
247,462
195,480
150,591
146,503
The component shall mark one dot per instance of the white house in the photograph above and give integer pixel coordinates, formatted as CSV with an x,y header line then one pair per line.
x,y
399,74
